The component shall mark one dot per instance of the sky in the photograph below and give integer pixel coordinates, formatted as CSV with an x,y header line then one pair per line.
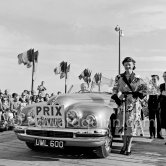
x,y
82,33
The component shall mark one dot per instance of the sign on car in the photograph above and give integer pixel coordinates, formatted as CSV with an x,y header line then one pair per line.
x,y
49,116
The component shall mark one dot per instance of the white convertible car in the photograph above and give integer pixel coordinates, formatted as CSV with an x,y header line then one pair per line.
x,y
78,119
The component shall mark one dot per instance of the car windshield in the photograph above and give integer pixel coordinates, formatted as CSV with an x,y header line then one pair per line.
x,y
78,88
74,93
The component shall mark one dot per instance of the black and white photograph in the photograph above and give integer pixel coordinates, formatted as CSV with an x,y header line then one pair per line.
x,y
83,82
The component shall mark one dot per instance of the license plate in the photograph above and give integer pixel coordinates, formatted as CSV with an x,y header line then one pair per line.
x,y
49,143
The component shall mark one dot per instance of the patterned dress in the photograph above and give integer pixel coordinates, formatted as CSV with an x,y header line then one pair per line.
x,y
132,114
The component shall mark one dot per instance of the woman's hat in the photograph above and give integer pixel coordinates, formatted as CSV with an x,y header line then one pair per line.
x,y
128,59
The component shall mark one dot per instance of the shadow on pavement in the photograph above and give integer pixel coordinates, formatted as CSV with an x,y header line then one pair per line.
x,y
150,151
47,154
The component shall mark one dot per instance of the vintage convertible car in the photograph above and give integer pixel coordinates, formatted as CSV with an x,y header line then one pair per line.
x,y
78,119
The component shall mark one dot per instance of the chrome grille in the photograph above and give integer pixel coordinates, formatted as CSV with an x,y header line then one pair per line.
x,y
44,133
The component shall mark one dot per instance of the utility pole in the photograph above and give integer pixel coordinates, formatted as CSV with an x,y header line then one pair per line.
x,y
119,52
117,28
66,77
33,70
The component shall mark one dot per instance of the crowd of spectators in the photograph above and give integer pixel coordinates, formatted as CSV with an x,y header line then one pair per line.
x,y
15,100
11,104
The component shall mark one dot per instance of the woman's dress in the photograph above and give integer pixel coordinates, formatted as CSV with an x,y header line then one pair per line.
x,y
128,125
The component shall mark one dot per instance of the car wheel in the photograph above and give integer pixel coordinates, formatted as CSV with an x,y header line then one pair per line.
x,y
31,145
6,128
1,130
11,128
104,150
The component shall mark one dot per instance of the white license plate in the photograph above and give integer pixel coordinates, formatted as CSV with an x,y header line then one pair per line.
x,y
49,143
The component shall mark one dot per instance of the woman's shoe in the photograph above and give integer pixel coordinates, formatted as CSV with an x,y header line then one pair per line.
x,y
128,153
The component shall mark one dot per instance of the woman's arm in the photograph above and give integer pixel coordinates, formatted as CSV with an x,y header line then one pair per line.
x,y
116,85
115,91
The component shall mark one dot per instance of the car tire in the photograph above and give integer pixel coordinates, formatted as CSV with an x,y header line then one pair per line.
x,y
11,128
1,130
6,128
104,150
30,145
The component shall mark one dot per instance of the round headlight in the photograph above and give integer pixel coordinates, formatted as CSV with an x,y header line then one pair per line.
x,y
72,118
89,121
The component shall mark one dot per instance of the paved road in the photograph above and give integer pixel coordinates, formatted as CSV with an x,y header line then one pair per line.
x,y
145,152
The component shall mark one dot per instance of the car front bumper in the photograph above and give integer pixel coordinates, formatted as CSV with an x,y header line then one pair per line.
x,y
81,137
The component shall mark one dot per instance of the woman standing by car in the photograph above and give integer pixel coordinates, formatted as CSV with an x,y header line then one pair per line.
x,y
162,101
127,92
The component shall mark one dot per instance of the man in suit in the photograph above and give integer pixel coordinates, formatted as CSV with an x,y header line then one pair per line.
x,y
153,106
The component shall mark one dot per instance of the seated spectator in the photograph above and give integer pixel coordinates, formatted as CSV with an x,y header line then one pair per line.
x,y
8,115
40,98
7,94
5,103
33,97
83,87
46,98
16,104
27,96
5,107
23,100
